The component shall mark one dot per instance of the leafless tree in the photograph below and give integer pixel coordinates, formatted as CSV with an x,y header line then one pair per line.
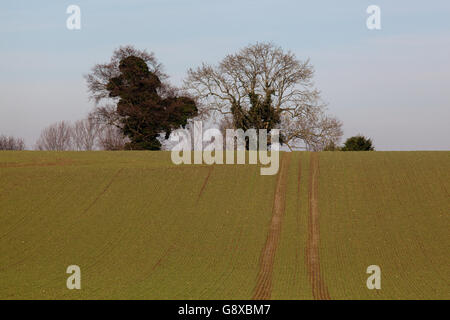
x,y
11,143
314,130
106,115
85,134
265,71
111,138
56,137
110,134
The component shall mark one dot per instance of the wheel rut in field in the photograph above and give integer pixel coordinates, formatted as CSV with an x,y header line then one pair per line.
x,y
319,288
264,280
205,182
103,191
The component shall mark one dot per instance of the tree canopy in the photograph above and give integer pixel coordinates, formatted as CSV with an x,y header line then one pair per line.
x,y
264,87
140,103
358,143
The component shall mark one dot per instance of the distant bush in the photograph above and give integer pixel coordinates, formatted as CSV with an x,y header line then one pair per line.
x,y
358,143
11,143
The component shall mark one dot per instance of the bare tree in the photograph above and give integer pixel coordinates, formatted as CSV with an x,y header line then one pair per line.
x,y
314,130
112,138
11,143
85,134
263,87
110,135
56,137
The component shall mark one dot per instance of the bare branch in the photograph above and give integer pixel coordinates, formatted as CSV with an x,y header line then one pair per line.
x,y
265,70
56,137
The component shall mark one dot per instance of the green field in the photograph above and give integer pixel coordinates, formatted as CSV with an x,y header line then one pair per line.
x,y
140,227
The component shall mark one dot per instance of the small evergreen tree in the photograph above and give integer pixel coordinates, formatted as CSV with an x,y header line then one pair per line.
x,y
358,143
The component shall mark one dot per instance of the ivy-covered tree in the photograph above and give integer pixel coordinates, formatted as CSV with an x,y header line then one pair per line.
x,y
144,113
140,103
264,87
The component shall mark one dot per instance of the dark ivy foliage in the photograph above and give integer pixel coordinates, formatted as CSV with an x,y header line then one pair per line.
x,y
144,113
261,115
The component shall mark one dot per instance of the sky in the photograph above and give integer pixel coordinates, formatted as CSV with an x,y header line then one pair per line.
x,y
392,85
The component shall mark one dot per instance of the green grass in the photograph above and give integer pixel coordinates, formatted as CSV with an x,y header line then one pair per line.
x,y
389,209
290,272
140,227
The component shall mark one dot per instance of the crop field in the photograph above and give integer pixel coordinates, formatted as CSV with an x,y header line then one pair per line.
x,y
140,227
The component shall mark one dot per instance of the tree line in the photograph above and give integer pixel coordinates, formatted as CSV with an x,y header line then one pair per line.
x,y
261,86
84,135
11,143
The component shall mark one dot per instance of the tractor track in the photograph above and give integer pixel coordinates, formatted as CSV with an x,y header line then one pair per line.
x,y
205,182
103,191
319,288
264,280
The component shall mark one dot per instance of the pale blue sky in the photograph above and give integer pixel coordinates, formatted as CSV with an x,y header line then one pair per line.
x,y
391,84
